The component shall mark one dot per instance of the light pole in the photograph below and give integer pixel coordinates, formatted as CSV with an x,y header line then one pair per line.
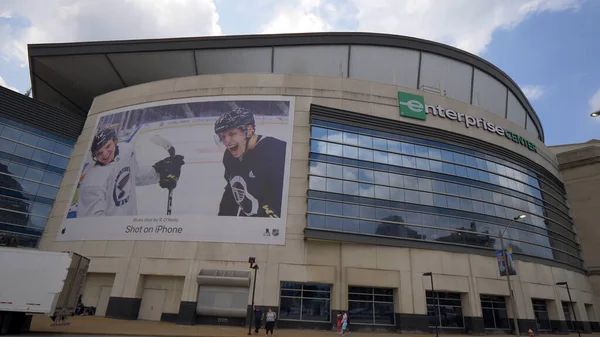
x,y
512,295
437,307
254,266
571,301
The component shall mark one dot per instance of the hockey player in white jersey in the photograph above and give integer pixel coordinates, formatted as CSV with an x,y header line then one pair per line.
x,y
109,186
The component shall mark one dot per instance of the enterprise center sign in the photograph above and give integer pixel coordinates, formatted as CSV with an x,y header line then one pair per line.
x,y
413,106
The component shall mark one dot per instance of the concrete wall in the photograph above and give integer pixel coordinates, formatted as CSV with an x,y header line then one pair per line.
x,y
580,168
347,264
339,264
93,286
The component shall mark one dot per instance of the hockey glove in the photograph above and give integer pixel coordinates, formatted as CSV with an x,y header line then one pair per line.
x,y
169,170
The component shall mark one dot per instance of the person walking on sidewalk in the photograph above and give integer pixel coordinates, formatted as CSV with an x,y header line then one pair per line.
x,y
270,323
258,317
344,323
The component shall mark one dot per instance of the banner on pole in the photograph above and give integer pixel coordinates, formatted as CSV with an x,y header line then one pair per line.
x,y
502,264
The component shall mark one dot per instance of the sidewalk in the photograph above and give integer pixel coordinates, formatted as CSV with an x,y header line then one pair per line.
x,y
95,325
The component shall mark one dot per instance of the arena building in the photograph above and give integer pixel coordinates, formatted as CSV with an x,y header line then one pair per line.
x,y
386,170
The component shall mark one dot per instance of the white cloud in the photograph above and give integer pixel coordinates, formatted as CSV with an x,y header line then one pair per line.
x,y
533,92
89,20
4,84
595,101
466,24
301,16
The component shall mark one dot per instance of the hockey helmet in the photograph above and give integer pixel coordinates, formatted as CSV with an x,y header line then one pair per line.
x,y
237,118
102,137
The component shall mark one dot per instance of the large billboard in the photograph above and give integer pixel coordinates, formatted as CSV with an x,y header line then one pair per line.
x,y
213,169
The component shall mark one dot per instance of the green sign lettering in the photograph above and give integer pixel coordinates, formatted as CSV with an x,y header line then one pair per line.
x,y
413,106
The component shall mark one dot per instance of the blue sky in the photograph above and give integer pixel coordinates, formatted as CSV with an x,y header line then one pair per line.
x,y
549,47
559,52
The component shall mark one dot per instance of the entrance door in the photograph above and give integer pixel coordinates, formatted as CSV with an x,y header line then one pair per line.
x,y
152,304
103,301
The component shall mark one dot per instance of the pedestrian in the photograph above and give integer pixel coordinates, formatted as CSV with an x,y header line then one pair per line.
x,y
344,323
270,323
338,325
348,324
258,317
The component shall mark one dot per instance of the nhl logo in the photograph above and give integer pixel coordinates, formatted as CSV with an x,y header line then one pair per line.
x,y
275,232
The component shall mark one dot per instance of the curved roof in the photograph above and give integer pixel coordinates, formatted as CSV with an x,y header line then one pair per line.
x,y
70,75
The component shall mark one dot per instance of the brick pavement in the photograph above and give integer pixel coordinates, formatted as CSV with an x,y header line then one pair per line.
x,y
95,325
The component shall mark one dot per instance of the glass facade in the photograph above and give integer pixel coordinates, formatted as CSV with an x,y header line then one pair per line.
x,y
305,302
377,183
448,307
368,305
495,315
32,164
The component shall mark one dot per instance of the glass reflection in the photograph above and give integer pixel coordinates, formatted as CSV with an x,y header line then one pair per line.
x,y
32,163
466,186
519,177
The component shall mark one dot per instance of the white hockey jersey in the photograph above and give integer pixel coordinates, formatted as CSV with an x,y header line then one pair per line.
x,y
110,190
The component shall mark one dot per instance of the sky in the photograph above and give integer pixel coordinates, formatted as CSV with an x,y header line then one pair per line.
x,y
549,48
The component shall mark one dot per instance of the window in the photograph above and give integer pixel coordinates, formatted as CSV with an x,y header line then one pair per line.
x,y
314,60
542,319
495,315
394,65
52,179
489,93
567,310
305,302
371,305
63,149
448,307
446,76
11,133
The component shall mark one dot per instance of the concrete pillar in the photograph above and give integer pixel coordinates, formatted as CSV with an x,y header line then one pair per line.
x,y
189,297
126,294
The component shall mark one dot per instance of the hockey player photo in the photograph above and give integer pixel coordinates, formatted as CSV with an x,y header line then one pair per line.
x,y
254,167
109,185
203,169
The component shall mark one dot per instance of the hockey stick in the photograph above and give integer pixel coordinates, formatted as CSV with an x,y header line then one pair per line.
x,y
165,144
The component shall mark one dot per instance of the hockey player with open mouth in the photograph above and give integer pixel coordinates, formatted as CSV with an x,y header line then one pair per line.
x,y
109,186
254,167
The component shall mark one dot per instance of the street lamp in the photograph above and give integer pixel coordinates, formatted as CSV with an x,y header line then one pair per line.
x,y
570,300
512,295
437,307
595,113
254,266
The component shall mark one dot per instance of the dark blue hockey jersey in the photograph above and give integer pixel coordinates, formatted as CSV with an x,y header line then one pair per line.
x,y
255,183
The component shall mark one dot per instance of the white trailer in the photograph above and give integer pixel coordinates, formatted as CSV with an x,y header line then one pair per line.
x,y
38,282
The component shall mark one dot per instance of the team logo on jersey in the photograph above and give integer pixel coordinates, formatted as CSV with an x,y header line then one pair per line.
x,y
246,201
121,189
